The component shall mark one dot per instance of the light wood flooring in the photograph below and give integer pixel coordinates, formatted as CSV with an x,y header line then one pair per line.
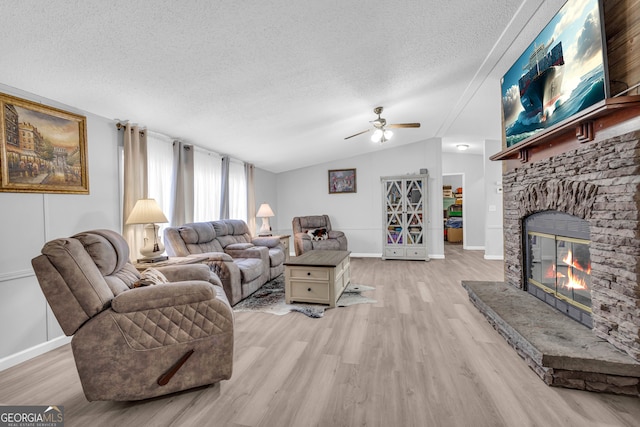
x,y
421,356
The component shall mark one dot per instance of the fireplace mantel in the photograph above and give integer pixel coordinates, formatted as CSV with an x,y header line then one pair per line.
x,y
613,116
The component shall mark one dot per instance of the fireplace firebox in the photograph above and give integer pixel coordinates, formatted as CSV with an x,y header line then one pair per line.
x,y
558,266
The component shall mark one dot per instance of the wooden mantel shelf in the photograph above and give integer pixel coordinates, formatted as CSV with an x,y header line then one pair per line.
x,y
618,115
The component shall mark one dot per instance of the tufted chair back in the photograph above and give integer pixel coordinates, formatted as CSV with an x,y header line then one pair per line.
x,y
230,231
80,275
301,225
192,238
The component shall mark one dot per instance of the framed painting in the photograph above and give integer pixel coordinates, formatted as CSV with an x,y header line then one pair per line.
x,y
342,181
42,149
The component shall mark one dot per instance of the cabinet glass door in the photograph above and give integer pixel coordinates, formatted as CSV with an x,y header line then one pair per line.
x,y
395,210
414,210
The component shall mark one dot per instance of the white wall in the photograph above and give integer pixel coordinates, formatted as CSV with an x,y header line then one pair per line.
x,y
494,238
305,192
266,191
473,207
30,220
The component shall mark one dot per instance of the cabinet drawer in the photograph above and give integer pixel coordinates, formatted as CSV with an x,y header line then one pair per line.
x,y
310,273
393,252
416,253
309,290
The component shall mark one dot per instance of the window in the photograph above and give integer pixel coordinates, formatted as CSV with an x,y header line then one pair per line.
x,y
160,171
207,169
237,190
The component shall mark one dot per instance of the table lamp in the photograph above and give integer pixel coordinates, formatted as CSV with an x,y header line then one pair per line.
x,y
265,212
147,211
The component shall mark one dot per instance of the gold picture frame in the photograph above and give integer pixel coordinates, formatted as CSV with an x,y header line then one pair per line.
x,y
342,181
42,149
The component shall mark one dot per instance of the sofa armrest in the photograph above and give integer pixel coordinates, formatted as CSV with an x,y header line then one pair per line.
x,y
267,241
180,273
229,274
334,234
238,246
165,295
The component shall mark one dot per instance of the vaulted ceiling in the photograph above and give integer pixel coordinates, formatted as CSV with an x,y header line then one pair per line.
x,y
276,83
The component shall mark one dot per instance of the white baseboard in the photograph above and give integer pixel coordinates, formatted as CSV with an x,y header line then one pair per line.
x,y
494,257
364,255
436,256
30,353
473,248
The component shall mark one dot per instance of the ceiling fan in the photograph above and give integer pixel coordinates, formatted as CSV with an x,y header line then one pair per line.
x,y
382,132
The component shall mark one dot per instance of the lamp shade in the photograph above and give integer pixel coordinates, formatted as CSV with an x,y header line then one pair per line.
x,y
265,211
146,211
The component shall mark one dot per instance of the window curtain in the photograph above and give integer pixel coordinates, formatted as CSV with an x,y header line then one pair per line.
x,y
159,172
182,189
207,167
249,171
224,188
237,190
134,184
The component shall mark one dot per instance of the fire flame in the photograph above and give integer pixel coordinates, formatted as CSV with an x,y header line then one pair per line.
x,y
569,261
572,281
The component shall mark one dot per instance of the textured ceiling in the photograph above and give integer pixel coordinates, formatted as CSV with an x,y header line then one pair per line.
x,y
277,83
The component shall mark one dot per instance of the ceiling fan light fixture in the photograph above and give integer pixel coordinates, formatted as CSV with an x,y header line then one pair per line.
x,y
381,133
462,147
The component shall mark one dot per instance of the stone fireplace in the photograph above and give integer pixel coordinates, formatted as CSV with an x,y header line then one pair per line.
x,y
570,301
600,184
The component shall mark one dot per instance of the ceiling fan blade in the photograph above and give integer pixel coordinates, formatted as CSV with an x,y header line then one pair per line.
x,y
359,133
404,125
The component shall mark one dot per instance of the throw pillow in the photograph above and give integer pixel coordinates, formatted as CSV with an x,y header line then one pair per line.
x,y
318,234
151,276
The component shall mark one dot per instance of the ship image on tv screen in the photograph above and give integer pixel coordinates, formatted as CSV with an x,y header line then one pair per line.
x,y
560,74
540,85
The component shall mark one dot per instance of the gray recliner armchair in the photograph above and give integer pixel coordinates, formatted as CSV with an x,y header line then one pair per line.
x,y
315,233
129,342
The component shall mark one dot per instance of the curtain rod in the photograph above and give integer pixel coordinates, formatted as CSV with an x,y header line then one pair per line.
x,y
122,125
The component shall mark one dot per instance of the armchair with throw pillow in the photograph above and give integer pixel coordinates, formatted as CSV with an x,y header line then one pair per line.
x,y
315,233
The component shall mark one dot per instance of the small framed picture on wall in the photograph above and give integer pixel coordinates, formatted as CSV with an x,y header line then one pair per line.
x,y
342,181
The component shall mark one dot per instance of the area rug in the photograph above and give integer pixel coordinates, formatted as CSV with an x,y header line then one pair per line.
x,y
270,299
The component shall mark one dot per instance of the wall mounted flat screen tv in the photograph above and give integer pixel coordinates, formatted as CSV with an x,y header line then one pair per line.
x,y
562,73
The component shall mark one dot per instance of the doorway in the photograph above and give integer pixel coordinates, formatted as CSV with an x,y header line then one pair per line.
x,y
453,208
